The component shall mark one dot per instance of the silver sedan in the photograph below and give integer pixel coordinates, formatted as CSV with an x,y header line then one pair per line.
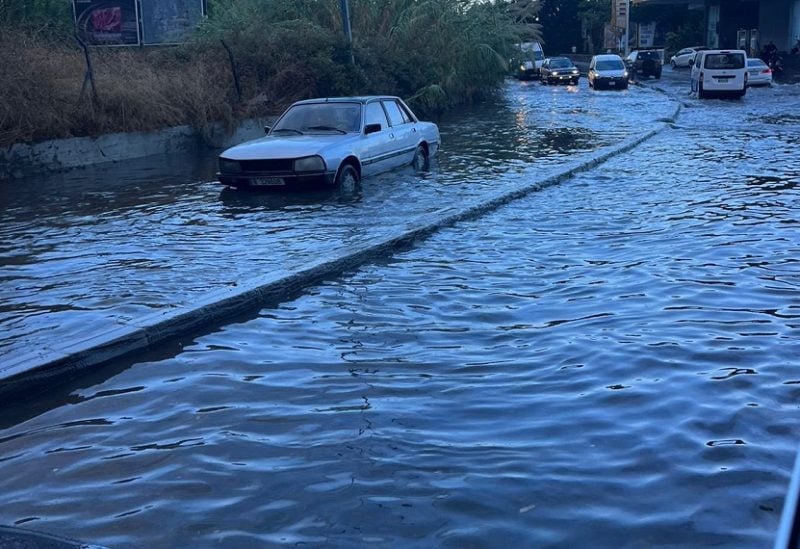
x,y
334,142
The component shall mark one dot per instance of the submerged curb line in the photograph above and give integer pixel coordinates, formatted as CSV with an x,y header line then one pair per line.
x,y
144,333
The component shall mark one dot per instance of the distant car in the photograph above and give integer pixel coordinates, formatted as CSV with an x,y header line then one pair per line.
x,y
559,69
758,72
685,57
528,60
721,72
607,71
645,63
334,142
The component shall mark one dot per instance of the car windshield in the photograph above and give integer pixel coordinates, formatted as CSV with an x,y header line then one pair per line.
x,y
724,61
338,117
609,65
649,55
560,63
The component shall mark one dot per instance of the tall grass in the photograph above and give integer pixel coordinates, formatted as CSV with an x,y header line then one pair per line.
x,y
435,53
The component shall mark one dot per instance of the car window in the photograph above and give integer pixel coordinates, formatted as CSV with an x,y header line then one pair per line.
x,y
375,115
724,61
320,117
609,65
395,114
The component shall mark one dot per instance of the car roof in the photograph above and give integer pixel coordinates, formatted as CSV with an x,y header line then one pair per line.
x,y
707,52
354,99
607,56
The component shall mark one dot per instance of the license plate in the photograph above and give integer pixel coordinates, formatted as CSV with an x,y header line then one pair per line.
x,y
612,83
267,182
722,80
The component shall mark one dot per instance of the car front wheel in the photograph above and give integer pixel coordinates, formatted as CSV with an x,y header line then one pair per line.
x,y
347,179
421,161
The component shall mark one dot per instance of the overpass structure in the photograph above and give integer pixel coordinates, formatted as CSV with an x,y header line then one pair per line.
x,y
744,24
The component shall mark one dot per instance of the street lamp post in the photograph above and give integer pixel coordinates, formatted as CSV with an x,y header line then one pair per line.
x,y
627,26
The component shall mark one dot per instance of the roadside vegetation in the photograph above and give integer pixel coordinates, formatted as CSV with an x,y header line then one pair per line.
x,y
250,58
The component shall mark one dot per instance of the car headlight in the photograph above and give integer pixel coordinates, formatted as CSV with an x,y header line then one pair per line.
x,y
575,71
309,164
555,73
625,74
229,166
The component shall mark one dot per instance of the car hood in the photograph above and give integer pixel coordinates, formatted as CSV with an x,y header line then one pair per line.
x,y
295,146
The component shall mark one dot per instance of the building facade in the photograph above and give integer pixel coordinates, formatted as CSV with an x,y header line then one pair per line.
x,y
745,24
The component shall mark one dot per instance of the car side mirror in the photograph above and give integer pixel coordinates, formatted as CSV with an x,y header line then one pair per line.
x,y
372,128
267,129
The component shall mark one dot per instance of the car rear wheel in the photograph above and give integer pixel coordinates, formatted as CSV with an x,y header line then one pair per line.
x,y
347,179
421,161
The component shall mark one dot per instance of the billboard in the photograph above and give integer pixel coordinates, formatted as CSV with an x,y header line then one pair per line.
x,y
107,22
169,22
136,22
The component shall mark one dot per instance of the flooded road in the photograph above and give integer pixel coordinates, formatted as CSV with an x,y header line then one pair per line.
x,y
85,250
610,362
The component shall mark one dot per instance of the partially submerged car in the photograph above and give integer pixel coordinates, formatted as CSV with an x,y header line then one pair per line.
x,y
528,60
607,71
644,63
333,142
758,72
720,72
559,69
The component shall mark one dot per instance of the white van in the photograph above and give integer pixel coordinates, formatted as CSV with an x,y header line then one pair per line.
x,y
720,72
529,59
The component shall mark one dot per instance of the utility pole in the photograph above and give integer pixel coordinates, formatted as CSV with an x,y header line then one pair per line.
x,y
627,25
346,26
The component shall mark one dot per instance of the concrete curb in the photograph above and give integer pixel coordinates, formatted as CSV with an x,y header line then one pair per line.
x,y
139,335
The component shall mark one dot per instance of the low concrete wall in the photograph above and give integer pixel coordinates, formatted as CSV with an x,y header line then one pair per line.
x,y
21,160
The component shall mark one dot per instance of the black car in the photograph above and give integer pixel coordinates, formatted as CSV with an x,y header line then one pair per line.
x,y
644,63
559,69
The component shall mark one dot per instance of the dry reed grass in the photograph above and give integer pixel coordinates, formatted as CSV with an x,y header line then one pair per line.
x,y
43,96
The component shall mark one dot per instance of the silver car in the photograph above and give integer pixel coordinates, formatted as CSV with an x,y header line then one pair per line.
x,y
607,71
333,142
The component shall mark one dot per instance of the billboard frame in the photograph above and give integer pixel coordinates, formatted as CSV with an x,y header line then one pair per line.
x,y
139,19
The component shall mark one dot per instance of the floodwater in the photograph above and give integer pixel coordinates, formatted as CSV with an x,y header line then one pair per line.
x,y
609,362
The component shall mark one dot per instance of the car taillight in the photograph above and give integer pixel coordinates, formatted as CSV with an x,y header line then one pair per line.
x,y
766,71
